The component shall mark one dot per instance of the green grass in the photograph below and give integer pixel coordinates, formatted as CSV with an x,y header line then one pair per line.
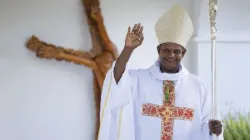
x,y
237,127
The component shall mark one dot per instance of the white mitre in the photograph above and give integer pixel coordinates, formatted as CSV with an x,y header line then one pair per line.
x,y
174,26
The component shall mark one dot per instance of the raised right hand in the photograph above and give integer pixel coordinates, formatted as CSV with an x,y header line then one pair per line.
x,y
135,37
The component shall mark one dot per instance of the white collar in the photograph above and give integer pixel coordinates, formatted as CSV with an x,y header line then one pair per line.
x,y
156,72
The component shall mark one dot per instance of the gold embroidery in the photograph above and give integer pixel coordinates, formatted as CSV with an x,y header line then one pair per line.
x,y
168,112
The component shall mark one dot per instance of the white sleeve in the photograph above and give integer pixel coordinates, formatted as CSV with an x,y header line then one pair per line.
x,y
122,90
206,113
114,97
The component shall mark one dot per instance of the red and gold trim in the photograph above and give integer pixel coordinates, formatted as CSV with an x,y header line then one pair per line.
x,y
168,112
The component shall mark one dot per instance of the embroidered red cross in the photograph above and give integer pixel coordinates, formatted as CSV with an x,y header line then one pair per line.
x,y
168,112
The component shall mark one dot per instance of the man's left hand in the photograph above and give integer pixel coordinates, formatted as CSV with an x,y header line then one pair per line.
x,y
215,127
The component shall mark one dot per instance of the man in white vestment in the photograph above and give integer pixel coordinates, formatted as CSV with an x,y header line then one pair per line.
x,y
163,102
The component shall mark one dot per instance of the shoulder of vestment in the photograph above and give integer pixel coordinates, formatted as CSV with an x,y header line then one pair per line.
x,y
139,72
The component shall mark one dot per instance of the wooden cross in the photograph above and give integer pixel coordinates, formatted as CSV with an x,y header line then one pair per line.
x,y
99,58
168,112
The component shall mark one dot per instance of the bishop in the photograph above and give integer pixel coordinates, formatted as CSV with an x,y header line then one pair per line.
x,y
163,102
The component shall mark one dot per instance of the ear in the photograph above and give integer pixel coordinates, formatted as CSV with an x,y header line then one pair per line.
x,y
158,49
183,52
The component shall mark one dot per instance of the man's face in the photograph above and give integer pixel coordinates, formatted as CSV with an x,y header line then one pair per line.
x,y
170,55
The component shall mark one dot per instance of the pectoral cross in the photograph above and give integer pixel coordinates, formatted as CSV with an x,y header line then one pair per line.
x,y
168,111
99,58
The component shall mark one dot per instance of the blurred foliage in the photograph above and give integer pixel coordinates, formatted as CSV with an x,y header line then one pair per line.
x,y
236,126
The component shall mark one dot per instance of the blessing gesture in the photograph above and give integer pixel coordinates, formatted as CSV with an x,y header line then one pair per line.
x,y
134,37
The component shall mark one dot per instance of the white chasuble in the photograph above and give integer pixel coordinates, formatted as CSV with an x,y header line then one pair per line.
x,y
150,105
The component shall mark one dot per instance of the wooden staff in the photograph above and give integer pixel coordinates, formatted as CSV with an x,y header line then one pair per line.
x,y
212,15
